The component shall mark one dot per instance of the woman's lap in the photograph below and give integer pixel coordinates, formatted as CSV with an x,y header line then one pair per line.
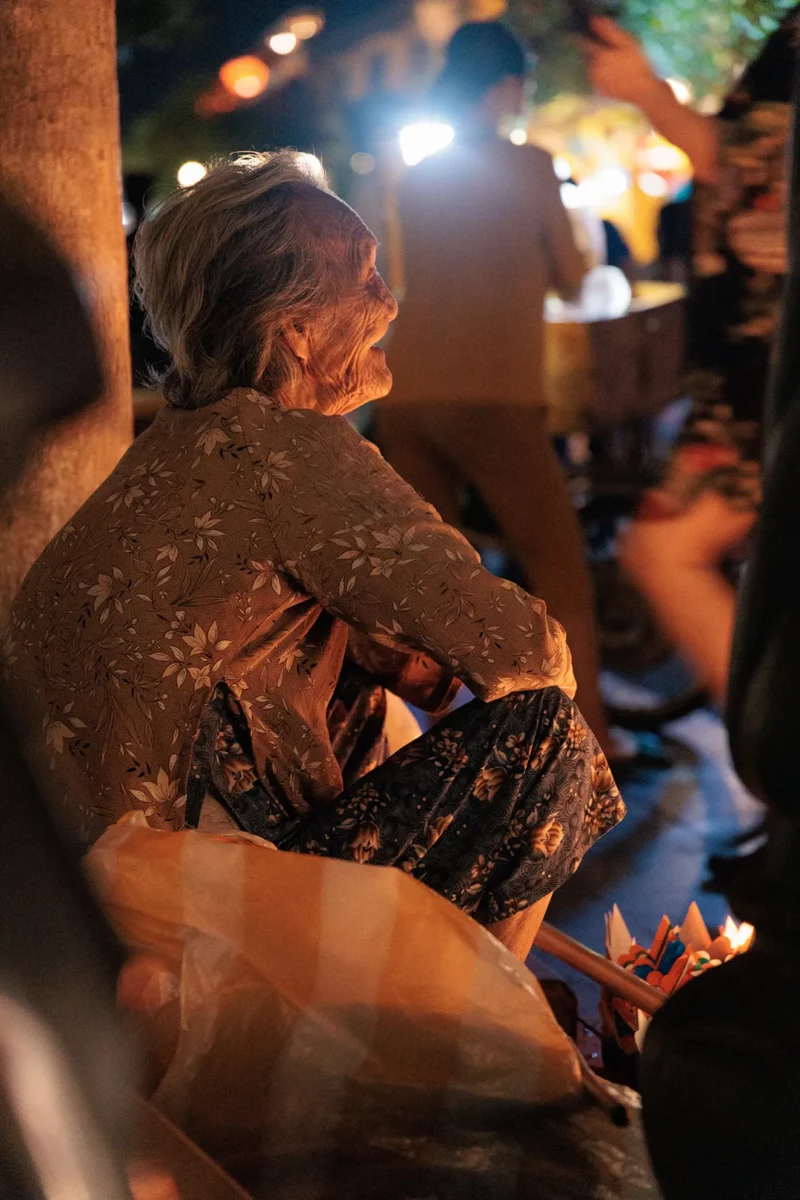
x,y
493,807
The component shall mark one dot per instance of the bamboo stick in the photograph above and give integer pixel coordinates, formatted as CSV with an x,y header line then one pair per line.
x,y
623,983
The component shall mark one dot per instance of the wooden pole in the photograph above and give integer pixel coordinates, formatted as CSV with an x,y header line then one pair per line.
x,y
60,164
624,984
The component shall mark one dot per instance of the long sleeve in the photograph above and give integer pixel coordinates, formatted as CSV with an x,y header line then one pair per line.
x,y
363,543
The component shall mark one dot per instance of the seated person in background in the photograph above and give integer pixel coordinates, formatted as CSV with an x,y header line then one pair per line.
x,y
183,639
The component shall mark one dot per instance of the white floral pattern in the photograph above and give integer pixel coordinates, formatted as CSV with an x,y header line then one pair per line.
x,y
235,545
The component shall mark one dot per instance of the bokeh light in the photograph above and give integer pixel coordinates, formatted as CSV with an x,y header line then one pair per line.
x,y
283,43
363,163
245,77
306,25
518,136
562,168
681,90
422,140
190,173
653,185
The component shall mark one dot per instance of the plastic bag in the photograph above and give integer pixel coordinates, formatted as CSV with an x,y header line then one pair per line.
x,y
342,1028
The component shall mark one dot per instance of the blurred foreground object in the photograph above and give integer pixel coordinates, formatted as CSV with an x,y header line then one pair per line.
x,y
59,149
349,1033
63,1055
718,1071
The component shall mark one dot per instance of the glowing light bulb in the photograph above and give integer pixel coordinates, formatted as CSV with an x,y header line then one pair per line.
x,y
283,43
518,136
190,173
422,140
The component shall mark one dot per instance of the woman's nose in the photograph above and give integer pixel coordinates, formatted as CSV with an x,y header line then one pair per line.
x,y
388,300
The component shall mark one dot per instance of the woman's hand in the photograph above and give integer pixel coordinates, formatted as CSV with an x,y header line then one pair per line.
x,y
618,66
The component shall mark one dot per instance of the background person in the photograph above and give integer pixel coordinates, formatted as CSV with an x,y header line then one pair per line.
x,y
707,503
485,235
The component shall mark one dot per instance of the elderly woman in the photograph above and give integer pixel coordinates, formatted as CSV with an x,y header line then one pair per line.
x,y
183,639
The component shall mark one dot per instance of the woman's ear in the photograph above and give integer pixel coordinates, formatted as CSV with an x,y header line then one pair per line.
x,y
297,339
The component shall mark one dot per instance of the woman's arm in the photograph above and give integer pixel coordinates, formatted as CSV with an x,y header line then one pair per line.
x,y
619,68
360,540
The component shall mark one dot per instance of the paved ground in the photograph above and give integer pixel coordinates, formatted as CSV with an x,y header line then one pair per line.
x,y
654,862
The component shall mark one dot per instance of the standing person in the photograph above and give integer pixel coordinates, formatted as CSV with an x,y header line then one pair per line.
x,y
707,504
485,235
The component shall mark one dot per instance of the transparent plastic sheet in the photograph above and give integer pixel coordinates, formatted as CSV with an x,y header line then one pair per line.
x,y
345,1032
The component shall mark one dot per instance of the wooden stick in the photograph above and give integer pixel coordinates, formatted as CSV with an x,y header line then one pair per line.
x,y
623,983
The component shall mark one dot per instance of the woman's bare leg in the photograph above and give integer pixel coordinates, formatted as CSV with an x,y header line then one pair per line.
x,y
675,562
518,933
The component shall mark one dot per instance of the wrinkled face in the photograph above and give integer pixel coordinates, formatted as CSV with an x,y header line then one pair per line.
x,y
344,361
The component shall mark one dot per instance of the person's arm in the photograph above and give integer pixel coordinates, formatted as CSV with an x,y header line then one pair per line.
x,y
619,69
566,265
409,674
363,543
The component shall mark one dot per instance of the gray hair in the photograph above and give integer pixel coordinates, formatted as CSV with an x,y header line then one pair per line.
x,y
222,266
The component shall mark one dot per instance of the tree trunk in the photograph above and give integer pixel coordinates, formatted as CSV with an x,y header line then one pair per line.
x,y
60,164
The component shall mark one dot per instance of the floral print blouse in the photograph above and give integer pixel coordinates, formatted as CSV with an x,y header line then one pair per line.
x,y
240,544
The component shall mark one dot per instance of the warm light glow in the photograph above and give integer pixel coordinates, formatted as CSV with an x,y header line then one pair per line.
x,y
571,196
681,90
611,183
653,185
562,168
307,25
663,157
283,43
191,173
420,141
245,77
739,936
363,163
518,136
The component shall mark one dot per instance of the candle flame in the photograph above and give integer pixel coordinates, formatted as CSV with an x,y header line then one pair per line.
x,y
739,936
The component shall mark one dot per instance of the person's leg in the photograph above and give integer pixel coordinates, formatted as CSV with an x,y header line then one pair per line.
x,y
518,933
676,563
401,434
493,809
507,452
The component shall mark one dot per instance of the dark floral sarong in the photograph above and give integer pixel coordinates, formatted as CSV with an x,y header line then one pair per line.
x,y
493,808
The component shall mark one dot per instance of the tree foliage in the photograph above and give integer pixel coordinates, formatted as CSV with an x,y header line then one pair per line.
x,y
702,41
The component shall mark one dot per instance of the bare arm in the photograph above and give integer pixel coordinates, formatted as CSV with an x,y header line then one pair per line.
x,y
619,68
